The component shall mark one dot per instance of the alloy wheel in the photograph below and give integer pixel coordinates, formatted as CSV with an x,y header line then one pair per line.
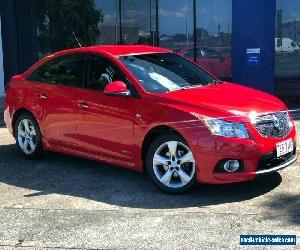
x,y
27,137
174,164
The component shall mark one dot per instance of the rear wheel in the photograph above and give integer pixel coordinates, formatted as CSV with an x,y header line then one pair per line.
x,y
28,136
170,163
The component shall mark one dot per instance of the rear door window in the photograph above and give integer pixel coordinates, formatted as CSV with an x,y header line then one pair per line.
x,y
66,70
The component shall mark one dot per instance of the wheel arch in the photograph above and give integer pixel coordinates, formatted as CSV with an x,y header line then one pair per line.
x,y
152,135
17,114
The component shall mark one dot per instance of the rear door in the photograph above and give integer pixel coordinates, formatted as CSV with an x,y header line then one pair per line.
x,y
58,83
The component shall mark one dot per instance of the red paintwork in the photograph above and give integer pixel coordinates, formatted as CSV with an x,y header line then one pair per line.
x,y
115,87
112,129
216,66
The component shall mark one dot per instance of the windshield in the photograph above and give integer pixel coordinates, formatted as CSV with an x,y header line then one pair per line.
x,y
164,72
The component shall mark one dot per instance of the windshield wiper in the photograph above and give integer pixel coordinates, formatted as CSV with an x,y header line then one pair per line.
x,y
181,88
215,82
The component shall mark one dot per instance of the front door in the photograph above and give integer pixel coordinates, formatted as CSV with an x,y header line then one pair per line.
x,y
105,123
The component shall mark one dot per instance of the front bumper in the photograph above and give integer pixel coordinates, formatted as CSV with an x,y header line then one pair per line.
x,y
283,165
253,153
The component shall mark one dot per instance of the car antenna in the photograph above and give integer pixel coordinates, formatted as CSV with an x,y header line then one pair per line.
x,y
79,44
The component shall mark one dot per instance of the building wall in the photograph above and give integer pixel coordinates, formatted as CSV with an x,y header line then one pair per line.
x,y
214,33
9,39
254,28
1,65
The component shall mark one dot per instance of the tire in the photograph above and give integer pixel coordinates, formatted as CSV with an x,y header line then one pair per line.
x,y
172,171
28,137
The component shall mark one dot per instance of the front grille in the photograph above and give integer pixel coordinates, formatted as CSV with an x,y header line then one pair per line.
x,y
274,125
270,160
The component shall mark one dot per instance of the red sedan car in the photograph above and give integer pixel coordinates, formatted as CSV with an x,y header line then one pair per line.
x,y
148,109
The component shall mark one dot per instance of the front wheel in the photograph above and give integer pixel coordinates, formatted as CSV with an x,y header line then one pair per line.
x,y
28,136
170,163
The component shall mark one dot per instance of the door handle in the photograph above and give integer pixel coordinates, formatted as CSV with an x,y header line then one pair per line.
x,y
84,105
42,97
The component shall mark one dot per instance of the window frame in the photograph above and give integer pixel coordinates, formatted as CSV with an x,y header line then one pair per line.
x,y
86,55
90,55
56,60
133,91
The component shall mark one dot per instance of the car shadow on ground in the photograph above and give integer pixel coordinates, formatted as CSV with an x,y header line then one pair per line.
x,y
61,174
287,205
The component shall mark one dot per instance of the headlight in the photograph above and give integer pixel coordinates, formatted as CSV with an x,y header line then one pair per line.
x,y
227,129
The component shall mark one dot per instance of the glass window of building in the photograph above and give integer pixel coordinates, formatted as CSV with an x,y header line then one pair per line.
x,y
287,48
64,24
213,36
138,21
176,26
109,26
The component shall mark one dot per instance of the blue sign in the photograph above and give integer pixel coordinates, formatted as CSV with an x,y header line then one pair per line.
x,y
253,56
271,240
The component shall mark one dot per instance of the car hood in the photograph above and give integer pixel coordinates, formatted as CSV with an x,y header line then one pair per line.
x,y
225,99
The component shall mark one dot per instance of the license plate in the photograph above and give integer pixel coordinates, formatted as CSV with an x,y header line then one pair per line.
x,y
284,147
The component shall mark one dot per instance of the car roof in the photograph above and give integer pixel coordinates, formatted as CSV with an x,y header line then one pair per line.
x,y
112,50
118,50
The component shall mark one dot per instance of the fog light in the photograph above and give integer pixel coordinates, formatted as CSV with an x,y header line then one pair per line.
x,y
231,166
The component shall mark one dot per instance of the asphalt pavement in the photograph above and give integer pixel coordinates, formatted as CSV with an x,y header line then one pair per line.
x,y
65,202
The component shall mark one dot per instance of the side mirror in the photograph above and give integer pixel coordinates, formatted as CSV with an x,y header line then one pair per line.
x,y
117,88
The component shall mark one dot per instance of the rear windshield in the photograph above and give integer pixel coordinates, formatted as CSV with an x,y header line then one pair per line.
x,y
165,72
